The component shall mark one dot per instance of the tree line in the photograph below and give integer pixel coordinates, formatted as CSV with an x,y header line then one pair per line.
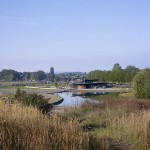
x,y
117,74
12,75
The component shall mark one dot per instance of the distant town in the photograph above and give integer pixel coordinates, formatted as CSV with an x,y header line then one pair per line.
x,y
117,77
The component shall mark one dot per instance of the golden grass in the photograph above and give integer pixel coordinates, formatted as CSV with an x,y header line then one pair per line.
x,y
27,128
133,128
114,124
127,124
122,124
4,95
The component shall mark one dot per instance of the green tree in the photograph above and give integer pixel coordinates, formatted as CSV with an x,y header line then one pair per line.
x,y
33,76
141,84
40,75
27,75
116,67
116,75
52,74
9,75
130,68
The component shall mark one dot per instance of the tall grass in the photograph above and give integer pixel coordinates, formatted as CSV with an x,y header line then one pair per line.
x,y
134,129
25,128
122,124
128,124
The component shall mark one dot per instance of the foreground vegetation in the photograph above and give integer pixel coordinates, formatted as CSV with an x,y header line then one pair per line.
x,y
115,123
119,122
32,99
27,128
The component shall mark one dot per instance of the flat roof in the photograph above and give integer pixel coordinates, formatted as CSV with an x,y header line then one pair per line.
x,y
94,83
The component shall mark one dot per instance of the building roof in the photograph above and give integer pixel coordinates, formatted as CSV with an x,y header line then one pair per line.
x,y
92,83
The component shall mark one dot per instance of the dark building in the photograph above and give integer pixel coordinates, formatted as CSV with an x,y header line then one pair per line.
x,y
89,84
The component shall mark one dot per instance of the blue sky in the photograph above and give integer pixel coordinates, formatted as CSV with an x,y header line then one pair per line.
x,y
74,35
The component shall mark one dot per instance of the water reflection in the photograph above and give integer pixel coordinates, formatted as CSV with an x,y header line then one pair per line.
x,y
78,98
69,100
89,94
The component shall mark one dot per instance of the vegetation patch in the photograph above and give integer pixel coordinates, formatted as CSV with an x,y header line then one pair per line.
x,y
27,128
34,100
141,84
117,123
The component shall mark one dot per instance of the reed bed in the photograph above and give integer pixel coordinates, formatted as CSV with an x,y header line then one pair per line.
x,y
26,128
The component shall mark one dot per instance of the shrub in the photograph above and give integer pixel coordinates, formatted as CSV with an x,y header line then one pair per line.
x,y
32,99
141,84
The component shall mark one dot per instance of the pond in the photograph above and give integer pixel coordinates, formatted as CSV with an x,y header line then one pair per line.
x,y
76,99
70,100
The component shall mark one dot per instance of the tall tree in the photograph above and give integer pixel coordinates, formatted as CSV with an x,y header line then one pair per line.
x,y
131,68
40,75
52,74
9,75
116,67
141,84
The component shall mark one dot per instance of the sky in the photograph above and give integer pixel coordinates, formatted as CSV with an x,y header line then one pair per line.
x,y
74,35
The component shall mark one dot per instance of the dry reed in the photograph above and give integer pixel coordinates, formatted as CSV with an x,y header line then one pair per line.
x,y
25,128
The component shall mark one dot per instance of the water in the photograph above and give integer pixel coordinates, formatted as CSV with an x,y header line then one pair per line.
x,y
69,100
76,99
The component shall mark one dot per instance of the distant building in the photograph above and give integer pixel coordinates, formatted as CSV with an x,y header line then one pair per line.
x,y
90,84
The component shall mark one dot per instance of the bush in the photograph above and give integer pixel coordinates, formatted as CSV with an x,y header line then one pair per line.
x,y
33,99
141,84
